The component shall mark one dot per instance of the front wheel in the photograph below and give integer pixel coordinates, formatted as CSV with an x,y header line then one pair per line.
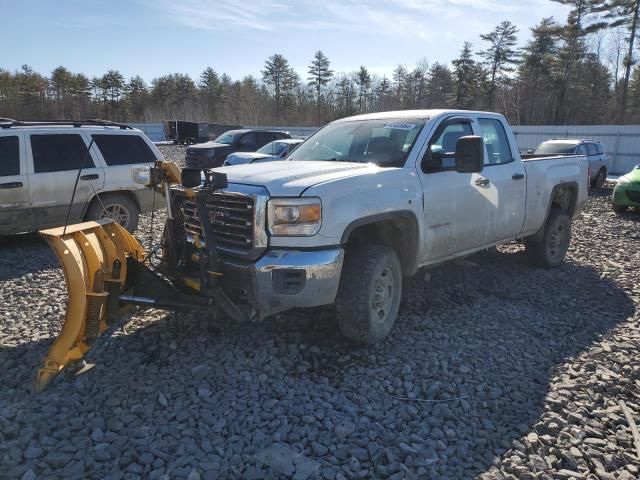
x,y
551,250
370,293
116,207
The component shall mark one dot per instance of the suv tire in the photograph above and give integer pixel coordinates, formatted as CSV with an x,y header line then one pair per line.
x,y
599,179
117,206
370,292
551,250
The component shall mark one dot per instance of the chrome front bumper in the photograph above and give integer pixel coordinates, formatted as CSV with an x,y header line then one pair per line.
x,y
285,279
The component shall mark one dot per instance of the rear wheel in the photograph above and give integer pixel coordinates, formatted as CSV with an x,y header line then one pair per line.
x,y
370,292
619,208
117,207
552,248
600,178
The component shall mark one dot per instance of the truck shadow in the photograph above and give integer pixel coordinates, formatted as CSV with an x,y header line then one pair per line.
x,y
464,373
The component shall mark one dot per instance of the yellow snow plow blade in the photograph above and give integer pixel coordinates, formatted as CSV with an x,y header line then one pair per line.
x,y
93,256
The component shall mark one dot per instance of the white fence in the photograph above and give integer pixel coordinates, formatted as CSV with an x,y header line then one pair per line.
x,y
622,142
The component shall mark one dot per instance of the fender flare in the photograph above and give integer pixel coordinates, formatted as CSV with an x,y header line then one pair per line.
x,y
536,237
408,258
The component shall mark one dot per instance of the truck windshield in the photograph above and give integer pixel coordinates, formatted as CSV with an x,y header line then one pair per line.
x,y
385,142
556,148
226,138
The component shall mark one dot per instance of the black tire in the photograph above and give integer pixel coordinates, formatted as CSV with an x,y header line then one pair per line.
x,y
619,208
370,292
118,205
551,250
599,179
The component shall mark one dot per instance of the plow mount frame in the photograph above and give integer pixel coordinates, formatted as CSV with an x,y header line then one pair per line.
x,y
105,274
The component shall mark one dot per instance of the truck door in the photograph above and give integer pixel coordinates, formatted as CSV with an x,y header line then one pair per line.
x,y
503,184
453,206
56,158
15,211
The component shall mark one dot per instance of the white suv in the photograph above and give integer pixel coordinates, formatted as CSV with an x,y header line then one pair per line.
x,y
39,164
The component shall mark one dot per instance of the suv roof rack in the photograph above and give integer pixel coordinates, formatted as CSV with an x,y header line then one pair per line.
x,y
9,122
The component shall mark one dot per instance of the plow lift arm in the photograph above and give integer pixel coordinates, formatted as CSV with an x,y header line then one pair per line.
x,y
106,273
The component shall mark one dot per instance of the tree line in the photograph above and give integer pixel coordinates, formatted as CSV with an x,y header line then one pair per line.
x,y
580,71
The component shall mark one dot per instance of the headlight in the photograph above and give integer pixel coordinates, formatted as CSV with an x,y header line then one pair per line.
x,y
623,181
295,217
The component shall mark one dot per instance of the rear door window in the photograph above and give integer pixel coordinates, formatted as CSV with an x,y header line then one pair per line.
x,y
9,156
591,149
124,149
59,152
248,140
496,141
264,138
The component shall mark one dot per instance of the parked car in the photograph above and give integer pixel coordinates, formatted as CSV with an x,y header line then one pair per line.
x,y
39,163
213,154
627,191
598,159
276,150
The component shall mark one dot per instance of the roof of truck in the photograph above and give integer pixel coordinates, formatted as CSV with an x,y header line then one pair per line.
x,y
426,114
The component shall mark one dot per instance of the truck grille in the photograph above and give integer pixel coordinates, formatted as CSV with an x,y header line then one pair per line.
x,y
232,218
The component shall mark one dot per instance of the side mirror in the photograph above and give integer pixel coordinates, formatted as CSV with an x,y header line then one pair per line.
x,y
469,154
530,150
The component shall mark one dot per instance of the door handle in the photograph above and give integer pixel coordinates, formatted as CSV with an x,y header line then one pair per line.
x,y
92,176
517,176
11,185
482,182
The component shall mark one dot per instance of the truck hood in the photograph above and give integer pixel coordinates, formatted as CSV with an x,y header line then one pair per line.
x,y
291,178
239,158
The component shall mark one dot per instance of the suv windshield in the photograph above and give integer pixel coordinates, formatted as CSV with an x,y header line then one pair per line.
x,y
385,142
226,138
273,148
558,148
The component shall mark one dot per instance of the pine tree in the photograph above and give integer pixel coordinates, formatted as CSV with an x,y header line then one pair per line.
x,y
320,74
625,13
439,86
211,91
573,50
501,56
363,80
277,73
465,78
400,79
535,70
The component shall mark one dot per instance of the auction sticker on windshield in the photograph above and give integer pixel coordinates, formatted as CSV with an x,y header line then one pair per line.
x,y
400,125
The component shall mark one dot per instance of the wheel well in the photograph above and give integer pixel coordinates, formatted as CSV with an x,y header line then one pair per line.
x,y
564,197
400,233
103,195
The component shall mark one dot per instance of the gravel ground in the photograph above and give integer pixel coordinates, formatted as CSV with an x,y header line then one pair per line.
x,y
494,370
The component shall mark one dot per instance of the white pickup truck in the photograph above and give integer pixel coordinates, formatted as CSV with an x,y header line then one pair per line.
x,y
366,201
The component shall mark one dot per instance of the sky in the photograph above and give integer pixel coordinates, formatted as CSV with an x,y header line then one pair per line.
x,y
156,37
